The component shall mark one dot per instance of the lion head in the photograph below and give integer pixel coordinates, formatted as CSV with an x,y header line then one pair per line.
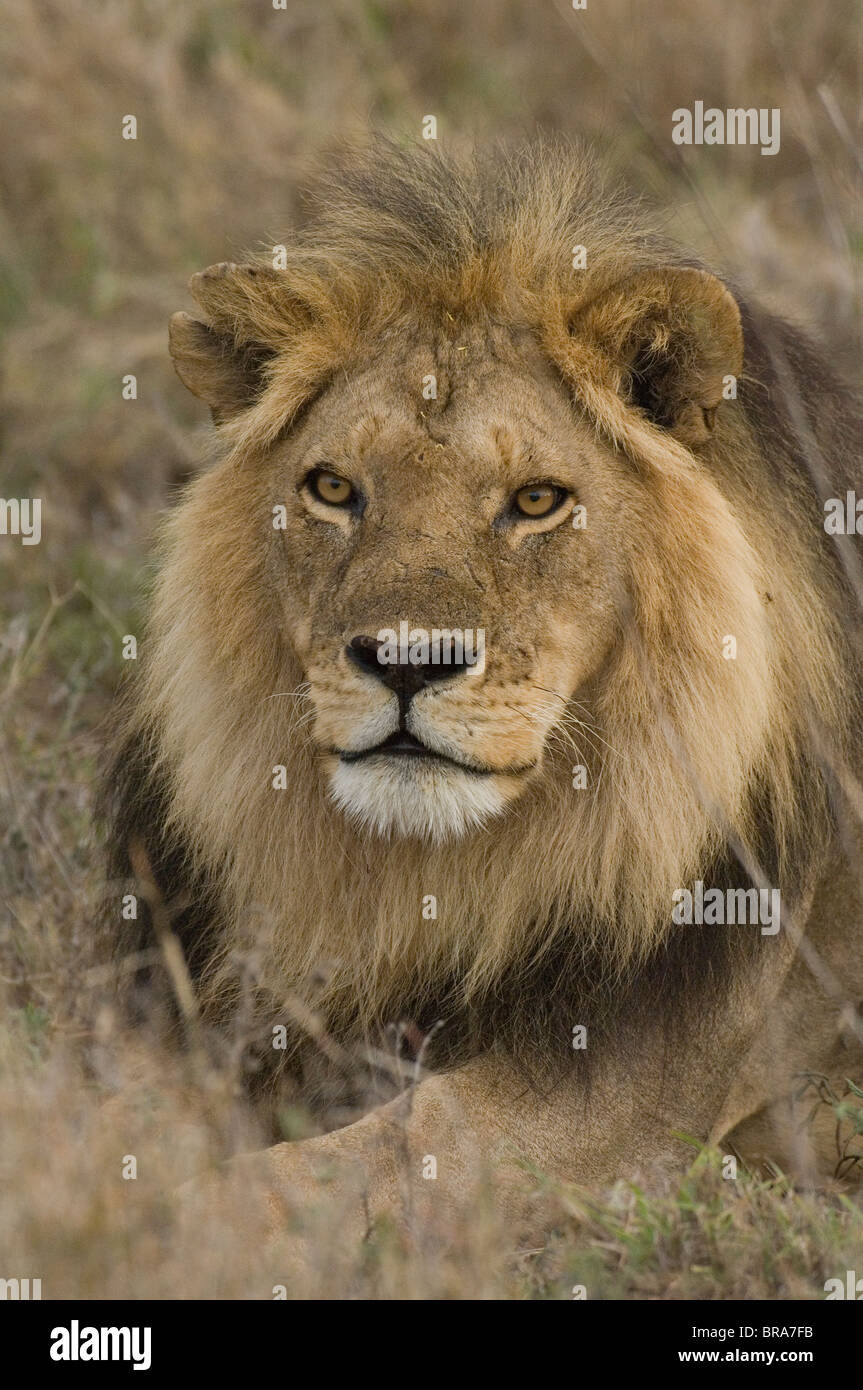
x,y
483,599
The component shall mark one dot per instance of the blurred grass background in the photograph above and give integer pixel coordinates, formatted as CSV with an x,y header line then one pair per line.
x,y
235,104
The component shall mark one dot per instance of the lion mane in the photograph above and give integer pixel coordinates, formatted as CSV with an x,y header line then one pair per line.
x,y
559,913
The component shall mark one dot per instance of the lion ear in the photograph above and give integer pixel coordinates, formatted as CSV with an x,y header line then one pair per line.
x,y
220,360
213,368
674,338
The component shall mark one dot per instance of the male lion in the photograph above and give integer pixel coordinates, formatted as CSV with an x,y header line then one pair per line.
x,y
612,471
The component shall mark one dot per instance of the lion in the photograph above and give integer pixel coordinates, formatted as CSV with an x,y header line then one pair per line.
x,y
487,399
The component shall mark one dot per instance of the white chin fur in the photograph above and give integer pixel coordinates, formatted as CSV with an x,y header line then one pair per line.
x,y
413,797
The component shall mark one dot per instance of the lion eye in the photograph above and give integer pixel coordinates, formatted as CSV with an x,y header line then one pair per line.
x,y
538,499
329,487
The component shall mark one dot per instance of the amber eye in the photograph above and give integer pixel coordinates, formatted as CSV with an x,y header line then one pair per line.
x,y
329,487
538,499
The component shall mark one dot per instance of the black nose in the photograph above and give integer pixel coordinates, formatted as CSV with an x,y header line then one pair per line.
x,y
402,677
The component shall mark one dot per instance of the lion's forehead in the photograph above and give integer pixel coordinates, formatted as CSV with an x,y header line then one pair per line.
x,y
452,413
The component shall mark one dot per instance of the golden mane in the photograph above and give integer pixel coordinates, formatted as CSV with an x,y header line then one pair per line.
x,y
698,753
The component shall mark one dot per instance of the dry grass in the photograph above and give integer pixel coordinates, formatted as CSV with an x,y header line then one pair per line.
x,y
234,104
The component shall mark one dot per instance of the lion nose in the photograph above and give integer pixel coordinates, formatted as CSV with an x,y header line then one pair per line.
x,y
402,677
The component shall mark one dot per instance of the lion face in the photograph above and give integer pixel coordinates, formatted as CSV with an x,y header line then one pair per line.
x,y
442,577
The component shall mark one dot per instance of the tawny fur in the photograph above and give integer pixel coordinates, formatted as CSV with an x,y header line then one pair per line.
x,y
690,747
